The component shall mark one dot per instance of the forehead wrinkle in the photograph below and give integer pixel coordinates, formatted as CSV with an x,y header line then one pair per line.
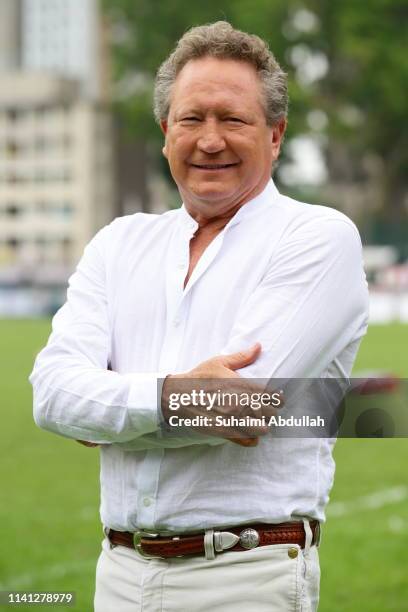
x,y
222,105
216,85
209,96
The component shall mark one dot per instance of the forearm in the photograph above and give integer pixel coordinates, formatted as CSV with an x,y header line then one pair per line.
x,y
84,402
165,436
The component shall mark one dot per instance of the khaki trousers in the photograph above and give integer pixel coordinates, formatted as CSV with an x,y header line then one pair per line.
x,y
267,579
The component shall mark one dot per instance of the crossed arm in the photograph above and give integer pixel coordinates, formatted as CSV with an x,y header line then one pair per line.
x,y
310,305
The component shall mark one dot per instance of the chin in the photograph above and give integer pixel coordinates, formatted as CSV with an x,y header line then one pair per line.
x,y
211,193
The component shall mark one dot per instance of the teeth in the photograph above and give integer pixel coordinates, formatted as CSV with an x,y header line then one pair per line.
x,y
208,167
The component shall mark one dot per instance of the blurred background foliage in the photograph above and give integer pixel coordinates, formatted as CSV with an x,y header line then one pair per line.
x,y
347,66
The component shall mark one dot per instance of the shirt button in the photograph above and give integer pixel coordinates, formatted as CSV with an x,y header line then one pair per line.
x,y
181,265
177,322
147,501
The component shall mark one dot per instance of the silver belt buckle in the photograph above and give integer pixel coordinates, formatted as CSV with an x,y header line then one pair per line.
x,y
137,538
218,541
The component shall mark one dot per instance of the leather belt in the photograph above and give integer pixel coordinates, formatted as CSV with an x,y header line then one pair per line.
x,y
237,538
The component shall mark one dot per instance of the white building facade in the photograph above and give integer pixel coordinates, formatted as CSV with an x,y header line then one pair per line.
x,y
57,167
64,37
56,183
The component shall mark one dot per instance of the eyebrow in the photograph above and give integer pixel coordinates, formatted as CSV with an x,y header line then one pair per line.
x,y
193,110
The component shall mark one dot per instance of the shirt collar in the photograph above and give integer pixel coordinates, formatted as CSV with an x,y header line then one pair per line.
x,y
250,208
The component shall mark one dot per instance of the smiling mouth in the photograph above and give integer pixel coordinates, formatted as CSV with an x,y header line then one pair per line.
x,y
213,166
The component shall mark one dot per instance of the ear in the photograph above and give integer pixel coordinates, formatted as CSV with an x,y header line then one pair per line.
x,y
163,127
278,131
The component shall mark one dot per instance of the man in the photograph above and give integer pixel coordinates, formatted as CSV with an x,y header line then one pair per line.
x,y
238,284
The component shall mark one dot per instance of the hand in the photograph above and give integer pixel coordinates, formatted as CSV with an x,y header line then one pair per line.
x,y
214,375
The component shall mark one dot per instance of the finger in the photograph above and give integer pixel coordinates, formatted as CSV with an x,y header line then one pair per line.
x,y
88,444
244,441
241,359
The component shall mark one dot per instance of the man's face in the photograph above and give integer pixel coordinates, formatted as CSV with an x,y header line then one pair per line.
x,y
218,145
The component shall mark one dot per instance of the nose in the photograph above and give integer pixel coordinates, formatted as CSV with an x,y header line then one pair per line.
x,y
211,139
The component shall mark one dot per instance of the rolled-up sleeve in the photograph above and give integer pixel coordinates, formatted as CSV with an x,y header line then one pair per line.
x,y
75,393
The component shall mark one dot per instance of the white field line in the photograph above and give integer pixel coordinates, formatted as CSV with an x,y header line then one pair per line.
x,y
373,501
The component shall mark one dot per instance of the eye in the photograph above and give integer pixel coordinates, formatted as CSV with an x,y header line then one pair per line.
x,y
236,120
190,119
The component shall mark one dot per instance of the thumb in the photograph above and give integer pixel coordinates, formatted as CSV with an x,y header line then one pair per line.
x,y
235,361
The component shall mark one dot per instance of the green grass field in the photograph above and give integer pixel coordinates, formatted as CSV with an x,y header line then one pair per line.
x,y
49,527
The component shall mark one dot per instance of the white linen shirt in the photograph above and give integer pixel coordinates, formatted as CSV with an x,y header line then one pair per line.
x,y
284,273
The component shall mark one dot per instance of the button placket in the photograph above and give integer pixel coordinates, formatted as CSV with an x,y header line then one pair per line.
x,y
174,337
147,486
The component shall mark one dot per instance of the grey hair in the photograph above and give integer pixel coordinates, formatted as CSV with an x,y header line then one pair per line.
x,y
222,41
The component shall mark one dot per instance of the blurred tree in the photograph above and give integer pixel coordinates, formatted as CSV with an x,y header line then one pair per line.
x,y
346,62
363,96
144,32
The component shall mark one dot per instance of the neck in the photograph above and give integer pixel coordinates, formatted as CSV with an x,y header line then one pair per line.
x,y
203,212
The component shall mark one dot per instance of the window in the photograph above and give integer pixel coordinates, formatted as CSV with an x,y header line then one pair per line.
x,y
12,148
13,243
12,210
14,114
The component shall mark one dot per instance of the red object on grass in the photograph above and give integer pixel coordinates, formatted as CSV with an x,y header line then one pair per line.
x,y
375,382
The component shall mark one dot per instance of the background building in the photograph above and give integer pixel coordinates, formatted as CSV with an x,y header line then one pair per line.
x,y
66,38
57,181
56,187
10,34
